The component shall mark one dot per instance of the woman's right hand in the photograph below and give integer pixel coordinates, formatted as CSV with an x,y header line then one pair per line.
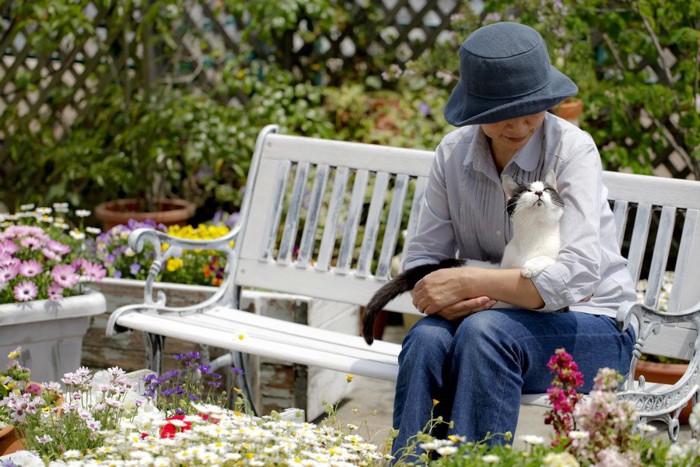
x,y
464,308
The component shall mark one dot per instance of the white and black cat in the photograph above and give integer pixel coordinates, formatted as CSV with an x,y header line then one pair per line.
x,y
535,210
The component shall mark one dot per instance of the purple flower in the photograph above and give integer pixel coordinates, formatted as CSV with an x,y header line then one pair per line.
x,y
424,109
30,268
25,291
64,275
134,268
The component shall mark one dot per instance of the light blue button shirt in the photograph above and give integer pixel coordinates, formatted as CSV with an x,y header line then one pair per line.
x,y
465,214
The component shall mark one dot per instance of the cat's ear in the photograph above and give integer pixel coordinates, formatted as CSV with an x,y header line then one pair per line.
x,y
510,186
551,179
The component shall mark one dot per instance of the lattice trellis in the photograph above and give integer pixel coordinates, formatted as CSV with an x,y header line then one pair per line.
x,y
60,81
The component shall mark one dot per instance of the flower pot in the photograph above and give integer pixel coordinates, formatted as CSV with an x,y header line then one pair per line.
x,y
571,110
170,212
49,332
9,442
665,373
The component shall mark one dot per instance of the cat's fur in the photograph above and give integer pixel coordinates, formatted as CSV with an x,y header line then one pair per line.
x,y
535,210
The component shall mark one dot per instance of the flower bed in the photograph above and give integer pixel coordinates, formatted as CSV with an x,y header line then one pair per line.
x,y
103,420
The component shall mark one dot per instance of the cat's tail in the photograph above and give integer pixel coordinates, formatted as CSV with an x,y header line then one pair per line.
x,y
400,284
379,300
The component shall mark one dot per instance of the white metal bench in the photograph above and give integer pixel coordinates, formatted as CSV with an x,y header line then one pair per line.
x,y
323,218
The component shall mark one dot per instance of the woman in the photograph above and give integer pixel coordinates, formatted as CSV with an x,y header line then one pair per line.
x,y
473,360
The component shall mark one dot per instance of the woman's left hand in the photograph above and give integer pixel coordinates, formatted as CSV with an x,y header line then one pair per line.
x,y
441,289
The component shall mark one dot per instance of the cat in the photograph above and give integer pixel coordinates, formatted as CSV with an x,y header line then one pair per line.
x,y
534,209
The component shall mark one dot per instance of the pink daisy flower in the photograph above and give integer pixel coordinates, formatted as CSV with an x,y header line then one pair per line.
x,y
31,243
64,275
58,247
55,292
26,291
8,247
93,271
7,273
30,268
50,255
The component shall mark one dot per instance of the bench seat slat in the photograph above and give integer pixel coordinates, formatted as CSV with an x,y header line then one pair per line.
x,y
190,328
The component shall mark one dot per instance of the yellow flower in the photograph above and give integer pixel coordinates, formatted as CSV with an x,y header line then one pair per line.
x,y
174,264
13,355
349,378
435,402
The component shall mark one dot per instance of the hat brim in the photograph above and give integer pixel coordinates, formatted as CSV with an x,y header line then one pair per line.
x,y
465,109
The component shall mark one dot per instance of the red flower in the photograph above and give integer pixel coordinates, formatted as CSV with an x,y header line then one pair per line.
x,y
168,430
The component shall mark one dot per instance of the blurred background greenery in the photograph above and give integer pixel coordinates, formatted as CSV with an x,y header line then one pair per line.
x,y
106,99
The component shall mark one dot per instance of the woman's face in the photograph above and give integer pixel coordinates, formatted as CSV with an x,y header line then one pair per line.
x,y
510,135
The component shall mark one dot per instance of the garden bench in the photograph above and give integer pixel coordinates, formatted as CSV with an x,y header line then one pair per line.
x,y
325,219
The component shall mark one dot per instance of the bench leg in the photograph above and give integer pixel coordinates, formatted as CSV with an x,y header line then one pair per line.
x,y
155,344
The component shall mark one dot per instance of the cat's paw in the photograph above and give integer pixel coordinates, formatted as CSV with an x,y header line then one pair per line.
x,y
535,265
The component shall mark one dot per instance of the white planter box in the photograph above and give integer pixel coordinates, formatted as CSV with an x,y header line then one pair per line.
x,y
49,332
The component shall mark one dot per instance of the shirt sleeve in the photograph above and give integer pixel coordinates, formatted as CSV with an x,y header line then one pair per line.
x,y
573,277
435,237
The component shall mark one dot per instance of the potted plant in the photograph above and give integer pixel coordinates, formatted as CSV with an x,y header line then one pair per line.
x,y
44,304
145,151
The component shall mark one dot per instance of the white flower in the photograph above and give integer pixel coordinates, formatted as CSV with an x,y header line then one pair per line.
x,y
447,450
694,418
579,434
646,428
532,439
491,459
560,459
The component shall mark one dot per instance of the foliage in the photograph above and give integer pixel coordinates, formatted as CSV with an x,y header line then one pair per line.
x,y
637,65
42,256
164,144
197,267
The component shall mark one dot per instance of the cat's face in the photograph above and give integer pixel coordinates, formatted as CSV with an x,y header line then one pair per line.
x,y
537,202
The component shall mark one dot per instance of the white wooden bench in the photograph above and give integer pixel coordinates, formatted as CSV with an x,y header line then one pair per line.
x,y
323,218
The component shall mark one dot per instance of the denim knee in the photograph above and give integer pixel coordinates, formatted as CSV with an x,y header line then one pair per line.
x,y
481,331
428,340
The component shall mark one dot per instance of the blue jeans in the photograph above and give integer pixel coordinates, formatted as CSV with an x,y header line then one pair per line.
x,y
478,367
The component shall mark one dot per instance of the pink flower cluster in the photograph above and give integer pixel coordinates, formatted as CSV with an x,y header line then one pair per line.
x,y
563,396
609,423
33,265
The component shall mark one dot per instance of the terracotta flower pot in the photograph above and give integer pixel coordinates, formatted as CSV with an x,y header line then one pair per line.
x,y
571,110
170,212
9,442
665,373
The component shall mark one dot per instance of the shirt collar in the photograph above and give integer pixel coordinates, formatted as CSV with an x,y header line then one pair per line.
x,y
527,158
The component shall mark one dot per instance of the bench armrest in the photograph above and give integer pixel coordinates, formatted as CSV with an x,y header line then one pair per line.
x,y
650,322
165,247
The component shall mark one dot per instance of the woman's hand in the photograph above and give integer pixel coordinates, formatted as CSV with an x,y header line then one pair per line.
x,y
445,293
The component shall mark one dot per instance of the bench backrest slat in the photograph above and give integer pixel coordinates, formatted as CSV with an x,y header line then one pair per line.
x,y
325,251
374,218
327,219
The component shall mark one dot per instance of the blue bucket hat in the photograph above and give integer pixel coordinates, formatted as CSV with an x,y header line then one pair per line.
x,y
504,73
